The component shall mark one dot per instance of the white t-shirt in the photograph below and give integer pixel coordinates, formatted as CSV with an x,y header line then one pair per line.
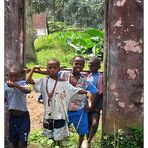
x,y
62,95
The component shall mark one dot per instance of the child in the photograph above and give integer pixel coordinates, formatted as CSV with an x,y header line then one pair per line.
x,y
97,79
15,95
77,114
56,95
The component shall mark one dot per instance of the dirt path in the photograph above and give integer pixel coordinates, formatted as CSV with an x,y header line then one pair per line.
x,y
36,111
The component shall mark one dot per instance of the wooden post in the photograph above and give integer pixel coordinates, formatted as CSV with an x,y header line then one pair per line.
x,y
123,94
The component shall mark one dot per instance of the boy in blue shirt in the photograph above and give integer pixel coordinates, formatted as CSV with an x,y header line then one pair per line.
x,y
97,79
15,97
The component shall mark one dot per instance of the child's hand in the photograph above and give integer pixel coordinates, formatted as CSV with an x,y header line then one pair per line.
x,y
10,83
26,70
89,96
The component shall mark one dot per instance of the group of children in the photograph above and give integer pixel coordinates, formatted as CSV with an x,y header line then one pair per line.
x,y
67,97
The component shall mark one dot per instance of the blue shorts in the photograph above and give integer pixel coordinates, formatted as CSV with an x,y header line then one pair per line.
x,y
19,127
79,119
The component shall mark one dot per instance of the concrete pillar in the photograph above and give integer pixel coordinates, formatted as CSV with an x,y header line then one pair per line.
x,y
14,44
123,92
14,33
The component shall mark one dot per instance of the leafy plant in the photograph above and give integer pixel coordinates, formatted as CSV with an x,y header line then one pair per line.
x,y
132,138
90,41
37,139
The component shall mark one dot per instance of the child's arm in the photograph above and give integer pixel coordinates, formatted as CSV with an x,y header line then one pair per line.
x,y
24,89
100,85
44,72
39,71
89,96
29,79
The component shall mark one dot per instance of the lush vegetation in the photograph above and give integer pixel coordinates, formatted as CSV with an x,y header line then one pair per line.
x,y
131,138
65,45
37,139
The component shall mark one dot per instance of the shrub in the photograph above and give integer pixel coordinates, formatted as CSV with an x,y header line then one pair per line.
x,y
132,138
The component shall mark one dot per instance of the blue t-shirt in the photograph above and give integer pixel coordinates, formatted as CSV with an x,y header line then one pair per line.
x,y
81,83
98,100
15,98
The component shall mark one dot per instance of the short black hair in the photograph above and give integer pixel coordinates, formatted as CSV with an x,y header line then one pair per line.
x,y
95,58
15,68
54,59
78,56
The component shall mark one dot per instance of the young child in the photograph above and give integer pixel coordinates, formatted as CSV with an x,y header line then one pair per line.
x,y
97,79
77,113
15,97
56,95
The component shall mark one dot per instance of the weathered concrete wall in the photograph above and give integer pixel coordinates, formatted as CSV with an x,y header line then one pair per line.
x,y
123,96
14,43
14,32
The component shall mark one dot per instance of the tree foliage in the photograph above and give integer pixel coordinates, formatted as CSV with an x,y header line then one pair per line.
x,y
82,13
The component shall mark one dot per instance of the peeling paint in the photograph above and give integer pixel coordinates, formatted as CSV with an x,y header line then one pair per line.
x,y
133,46
119,45
141,41
131,106
121,3
113,86
142,99
138,1
115,94
132,73
122,104
119,37
118,23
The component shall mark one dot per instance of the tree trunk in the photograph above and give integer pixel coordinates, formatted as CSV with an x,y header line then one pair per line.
x,y
14,33
30,50
123,95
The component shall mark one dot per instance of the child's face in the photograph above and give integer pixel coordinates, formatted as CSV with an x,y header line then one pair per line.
x,y
14,76
78,64
53,68
93,66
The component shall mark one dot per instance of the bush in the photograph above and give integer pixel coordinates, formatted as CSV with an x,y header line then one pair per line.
x,y
132,138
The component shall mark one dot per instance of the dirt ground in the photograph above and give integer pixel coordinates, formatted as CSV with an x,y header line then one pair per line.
x,y
36,111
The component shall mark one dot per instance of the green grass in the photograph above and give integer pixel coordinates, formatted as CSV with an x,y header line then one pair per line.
x,y
65,58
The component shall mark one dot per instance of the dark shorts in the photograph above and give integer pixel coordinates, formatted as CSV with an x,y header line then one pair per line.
x,y
55,129
54,124
79,119
19,127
